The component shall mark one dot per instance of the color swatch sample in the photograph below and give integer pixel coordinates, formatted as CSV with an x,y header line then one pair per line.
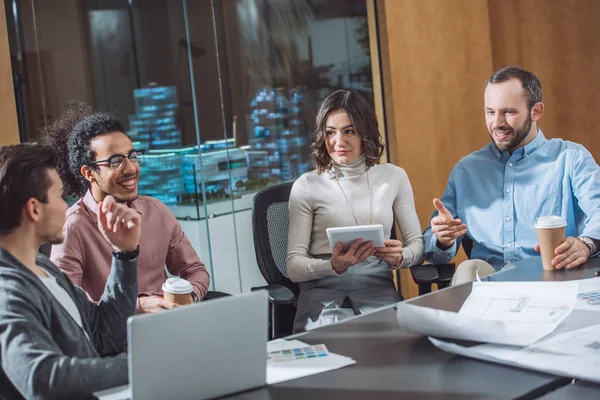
x,y
591,298
300,353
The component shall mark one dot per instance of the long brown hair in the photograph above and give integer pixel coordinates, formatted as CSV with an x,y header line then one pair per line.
x,y
363,118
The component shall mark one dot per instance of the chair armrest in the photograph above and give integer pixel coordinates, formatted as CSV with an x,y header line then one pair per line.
x,y
278,294
424,274
445,272
214,294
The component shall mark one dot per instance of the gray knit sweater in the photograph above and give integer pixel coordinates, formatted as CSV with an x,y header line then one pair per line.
x,y
317,203
43,352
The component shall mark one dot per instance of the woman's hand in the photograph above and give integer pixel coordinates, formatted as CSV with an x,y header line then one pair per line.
x,y
391,253
341,261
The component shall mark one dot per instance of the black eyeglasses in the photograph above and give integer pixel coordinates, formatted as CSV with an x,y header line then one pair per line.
x,y
117,162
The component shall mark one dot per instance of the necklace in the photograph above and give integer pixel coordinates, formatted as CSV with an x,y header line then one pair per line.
x,y
350,205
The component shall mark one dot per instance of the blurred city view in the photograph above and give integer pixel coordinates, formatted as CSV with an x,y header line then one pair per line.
x,y
277,149
221,95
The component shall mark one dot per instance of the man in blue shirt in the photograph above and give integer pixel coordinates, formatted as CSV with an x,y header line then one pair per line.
x,y
496,194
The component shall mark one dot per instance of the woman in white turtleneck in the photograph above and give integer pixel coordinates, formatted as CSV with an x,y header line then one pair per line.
x,y
349,187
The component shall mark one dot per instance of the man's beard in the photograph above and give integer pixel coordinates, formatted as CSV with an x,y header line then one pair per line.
x,y
118,198
518,135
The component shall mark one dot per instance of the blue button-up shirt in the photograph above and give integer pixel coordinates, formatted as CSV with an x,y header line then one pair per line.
x,y
499,196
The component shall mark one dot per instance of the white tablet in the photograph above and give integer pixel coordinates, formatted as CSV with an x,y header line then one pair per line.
x,y
348,234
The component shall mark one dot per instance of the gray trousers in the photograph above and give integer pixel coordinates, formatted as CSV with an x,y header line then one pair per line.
x,y
363,288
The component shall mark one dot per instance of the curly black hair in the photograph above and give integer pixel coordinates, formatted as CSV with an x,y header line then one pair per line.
x,y
70,137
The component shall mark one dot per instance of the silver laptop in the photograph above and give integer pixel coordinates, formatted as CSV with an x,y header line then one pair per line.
x,y
200,351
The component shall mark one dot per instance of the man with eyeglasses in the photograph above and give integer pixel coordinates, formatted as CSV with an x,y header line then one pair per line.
x,y
96,159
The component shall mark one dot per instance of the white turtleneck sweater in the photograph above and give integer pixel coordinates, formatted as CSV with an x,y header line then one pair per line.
x,y
317,203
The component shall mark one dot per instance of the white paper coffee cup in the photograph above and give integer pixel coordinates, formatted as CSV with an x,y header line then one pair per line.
x,y
550,222
551,233
177,290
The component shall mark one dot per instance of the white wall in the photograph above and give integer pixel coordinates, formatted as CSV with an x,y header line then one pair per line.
x,y
229,276
217,208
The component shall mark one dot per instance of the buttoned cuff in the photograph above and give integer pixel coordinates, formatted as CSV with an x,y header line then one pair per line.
x,y
443,256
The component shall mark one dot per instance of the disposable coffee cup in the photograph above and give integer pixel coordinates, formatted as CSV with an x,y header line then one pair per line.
x,y
178,291
551,233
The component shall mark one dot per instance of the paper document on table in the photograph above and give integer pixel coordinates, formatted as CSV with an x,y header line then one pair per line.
x,y
285,371
117,393
589,294
575,354
510,313
282,344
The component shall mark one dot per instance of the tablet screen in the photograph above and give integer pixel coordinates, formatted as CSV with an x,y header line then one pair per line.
x,y
348,234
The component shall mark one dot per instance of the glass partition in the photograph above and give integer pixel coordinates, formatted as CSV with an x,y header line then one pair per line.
x,y
221,95
278,60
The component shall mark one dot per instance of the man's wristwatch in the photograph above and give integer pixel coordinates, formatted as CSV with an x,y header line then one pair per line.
x,y
588,242
125,255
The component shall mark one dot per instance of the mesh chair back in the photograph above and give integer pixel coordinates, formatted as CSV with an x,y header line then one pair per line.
x,y
277,226
45,249
270,220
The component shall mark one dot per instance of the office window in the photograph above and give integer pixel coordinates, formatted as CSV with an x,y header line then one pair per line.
x,y
221,95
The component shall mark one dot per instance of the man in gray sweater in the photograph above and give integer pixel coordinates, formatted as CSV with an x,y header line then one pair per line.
x,y
54,341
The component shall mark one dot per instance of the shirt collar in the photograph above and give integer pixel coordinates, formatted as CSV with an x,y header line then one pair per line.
x,y
14,261
495,150
524,151
92,204
535,144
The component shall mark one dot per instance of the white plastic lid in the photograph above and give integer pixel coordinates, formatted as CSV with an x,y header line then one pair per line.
x,y
177,286
550,222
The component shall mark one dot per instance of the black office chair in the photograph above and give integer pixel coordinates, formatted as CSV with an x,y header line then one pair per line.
x,y
212,294
441,274
270,221
45,249
467,245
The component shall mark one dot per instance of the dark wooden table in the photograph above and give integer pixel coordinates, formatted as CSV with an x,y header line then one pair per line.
x,y
576,390
531,270
394,364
